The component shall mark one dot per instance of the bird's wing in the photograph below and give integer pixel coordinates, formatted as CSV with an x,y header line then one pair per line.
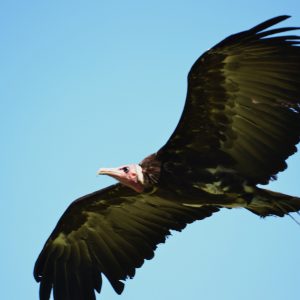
x,y
110,232
243,103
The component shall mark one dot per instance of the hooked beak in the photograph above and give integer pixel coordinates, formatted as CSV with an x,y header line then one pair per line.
x,y
109,171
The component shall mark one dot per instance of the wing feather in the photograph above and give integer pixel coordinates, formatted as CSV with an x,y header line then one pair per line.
x,y
110,232
243,100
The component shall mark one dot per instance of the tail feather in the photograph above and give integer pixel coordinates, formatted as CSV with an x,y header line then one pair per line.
x,y
267,203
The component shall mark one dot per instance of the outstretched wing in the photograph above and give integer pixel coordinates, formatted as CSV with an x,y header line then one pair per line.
x,y
243,103
108,232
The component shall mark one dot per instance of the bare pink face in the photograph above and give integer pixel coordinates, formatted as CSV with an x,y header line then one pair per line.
x,y
129,175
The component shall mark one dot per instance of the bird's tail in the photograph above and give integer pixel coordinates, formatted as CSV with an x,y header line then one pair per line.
x,y
266,203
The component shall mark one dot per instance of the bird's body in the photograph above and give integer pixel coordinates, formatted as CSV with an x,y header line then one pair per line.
x,y
241,121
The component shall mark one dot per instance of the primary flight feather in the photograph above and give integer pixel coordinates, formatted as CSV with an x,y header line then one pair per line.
x,y
240,123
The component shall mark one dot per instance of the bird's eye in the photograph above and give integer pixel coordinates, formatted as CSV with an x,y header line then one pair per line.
x,y
125,169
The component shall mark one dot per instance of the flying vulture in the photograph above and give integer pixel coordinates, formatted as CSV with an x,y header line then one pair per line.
x,y
240,123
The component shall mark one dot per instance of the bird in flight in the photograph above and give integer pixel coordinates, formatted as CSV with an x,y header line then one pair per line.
x,y
240,122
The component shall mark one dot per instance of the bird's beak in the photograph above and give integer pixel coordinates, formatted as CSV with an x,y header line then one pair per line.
x,y
109,171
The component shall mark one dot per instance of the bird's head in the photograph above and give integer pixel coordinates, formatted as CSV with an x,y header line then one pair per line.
x,y
129,175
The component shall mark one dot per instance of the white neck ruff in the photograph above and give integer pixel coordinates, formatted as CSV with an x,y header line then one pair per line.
x,y
139,172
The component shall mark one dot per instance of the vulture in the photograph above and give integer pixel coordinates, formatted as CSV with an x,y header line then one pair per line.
x,y
240,122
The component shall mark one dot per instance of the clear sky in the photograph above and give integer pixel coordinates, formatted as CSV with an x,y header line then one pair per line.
x,y
86,84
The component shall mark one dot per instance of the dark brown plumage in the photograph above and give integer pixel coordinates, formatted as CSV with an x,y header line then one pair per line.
x,y
241,121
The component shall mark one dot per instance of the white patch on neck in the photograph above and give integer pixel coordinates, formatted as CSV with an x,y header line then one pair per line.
x,y
139,172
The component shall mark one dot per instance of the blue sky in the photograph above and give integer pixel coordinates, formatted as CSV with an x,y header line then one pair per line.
x,y
86,84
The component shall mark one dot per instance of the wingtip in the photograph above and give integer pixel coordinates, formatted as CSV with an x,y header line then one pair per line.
x,y
268,23
118,287
282,17
278,19
36,275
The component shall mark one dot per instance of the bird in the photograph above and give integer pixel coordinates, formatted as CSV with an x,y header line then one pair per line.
x,y
240,122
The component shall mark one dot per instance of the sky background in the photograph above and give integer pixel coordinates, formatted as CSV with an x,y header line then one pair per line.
x,y
89,84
